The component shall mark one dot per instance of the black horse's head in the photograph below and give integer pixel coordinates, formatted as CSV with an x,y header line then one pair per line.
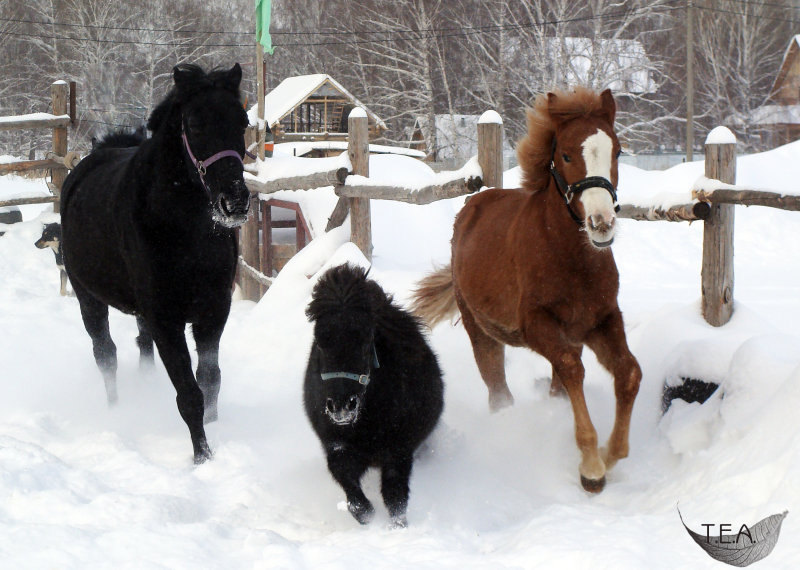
x,y
205,111
343,308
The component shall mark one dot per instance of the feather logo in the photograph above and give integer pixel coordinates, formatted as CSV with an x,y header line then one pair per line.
x,y
749,545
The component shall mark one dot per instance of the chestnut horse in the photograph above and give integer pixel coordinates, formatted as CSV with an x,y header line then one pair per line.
x,y
532,267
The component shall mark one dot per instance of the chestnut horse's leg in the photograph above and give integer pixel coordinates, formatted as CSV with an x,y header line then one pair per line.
x,y
609,344
543,335
489,356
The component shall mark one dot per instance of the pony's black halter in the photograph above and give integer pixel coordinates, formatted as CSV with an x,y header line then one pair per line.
x,y
569,191
362,379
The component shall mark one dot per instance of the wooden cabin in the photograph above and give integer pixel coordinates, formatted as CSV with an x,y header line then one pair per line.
x,y
780,116
312,108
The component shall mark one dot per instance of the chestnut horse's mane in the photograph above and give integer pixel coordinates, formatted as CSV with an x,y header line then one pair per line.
x,y
535,149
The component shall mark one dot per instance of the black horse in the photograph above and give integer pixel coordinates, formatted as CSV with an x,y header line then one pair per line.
x,y
147,229
373,388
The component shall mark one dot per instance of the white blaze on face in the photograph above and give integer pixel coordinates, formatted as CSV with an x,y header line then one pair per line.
x,y
597,202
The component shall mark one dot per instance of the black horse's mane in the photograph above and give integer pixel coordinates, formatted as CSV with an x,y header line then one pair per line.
x,y
194,79
121,138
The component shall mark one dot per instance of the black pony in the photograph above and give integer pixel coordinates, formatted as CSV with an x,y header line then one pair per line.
x,y
373,389
147,229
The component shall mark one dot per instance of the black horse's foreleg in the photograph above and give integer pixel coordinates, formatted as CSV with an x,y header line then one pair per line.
x,y
395,473
171,343
95,320
145,343
207,337
347,466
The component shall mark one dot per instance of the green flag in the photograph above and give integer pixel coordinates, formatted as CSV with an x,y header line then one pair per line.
x,y
263,10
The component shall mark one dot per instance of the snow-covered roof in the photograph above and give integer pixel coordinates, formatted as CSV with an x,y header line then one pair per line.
x,y
772,115
794,44
294,90
625,65
456,135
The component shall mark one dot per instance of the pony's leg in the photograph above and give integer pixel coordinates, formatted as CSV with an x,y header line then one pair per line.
x,y
206,336
171,342
542,334
95,320
145,343
489,356
611,347
395,473
347,466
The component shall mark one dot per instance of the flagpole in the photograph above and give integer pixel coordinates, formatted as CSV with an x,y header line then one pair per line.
x,y
262,131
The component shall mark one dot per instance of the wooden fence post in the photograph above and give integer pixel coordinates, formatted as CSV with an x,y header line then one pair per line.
x,y
59,91
358,151
490,148
717,271
249,242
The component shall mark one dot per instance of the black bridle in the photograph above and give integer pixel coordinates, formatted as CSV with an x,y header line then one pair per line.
x,y
569,191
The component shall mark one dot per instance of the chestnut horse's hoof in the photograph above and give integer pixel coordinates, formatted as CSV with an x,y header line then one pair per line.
x,y
593,485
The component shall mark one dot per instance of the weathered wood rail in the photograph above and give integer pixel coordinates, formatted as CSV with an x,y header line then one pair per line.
x,y
58,161
714,207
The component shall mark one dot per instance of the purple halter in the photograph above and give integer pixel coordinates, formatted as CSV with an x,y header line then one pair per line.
x,y
202,165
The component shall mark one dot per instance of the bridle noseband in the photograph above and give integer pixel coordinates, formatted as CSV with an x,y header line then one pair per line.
x,y
202,165
569,191
362,379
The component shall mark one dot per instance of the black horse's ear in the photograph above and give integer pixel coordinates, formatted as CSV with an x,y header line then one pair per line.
x,y
181,75
233,77
609,107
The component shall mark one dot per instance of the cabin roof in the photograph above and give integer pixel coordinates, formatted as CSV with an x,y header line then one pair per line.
x,y
293,91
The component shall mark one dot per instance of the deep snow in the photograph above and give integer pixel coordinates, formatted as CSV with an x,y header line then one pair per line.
x,y
84,486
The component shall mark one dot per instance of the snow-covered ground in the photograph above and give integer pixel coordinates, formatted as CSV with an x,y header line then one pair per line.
x,y
84,486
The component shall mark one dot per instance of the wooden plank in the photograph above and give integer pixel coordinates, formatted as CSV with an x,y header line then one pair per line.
x,y
248,246
358,151
424,195
681,213
717,270
31,122
305,182
745,197
266,239
25,165
29,200
339,214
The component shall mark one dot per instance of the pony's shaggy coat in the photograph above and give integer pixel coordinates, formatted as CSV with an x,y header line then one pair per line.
x,y
355,323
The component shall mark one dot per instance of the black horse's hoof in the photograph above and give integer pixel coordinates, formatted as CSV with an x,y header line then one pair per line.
x,y
362,512
593,485
210,415
399,521
202,454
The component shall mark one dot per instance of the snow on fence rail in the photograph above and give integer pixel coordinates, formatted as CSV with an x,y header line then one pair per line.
x,y
59,160
712,203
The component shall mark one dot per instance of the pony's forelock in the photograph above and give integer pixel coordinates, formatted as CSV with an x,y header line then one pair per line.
x,y
534,150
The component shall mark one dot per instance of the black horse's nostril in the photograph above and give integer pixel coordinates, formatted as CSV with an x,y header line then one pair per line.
x,y
330,406
352,403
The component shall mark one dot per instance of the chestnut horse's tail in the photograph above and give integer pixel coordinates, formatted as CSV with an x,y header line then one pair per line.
x,y
434,299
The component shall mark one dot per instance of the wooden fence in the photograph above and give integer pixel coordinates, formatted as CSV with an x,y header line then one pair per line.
x,y
713,206
58,161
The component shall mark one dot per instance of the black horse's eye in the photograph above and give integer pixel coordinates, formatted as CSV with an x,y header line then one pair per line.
x,y
565,157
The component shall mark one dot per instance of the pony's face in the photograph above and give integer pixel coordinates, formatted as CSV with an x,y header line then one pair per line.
x,y
346,356
214,121
587,148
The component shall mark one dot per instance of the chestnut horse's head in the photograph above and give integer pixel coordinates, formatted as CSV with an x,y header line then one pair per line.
x,y
571,144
